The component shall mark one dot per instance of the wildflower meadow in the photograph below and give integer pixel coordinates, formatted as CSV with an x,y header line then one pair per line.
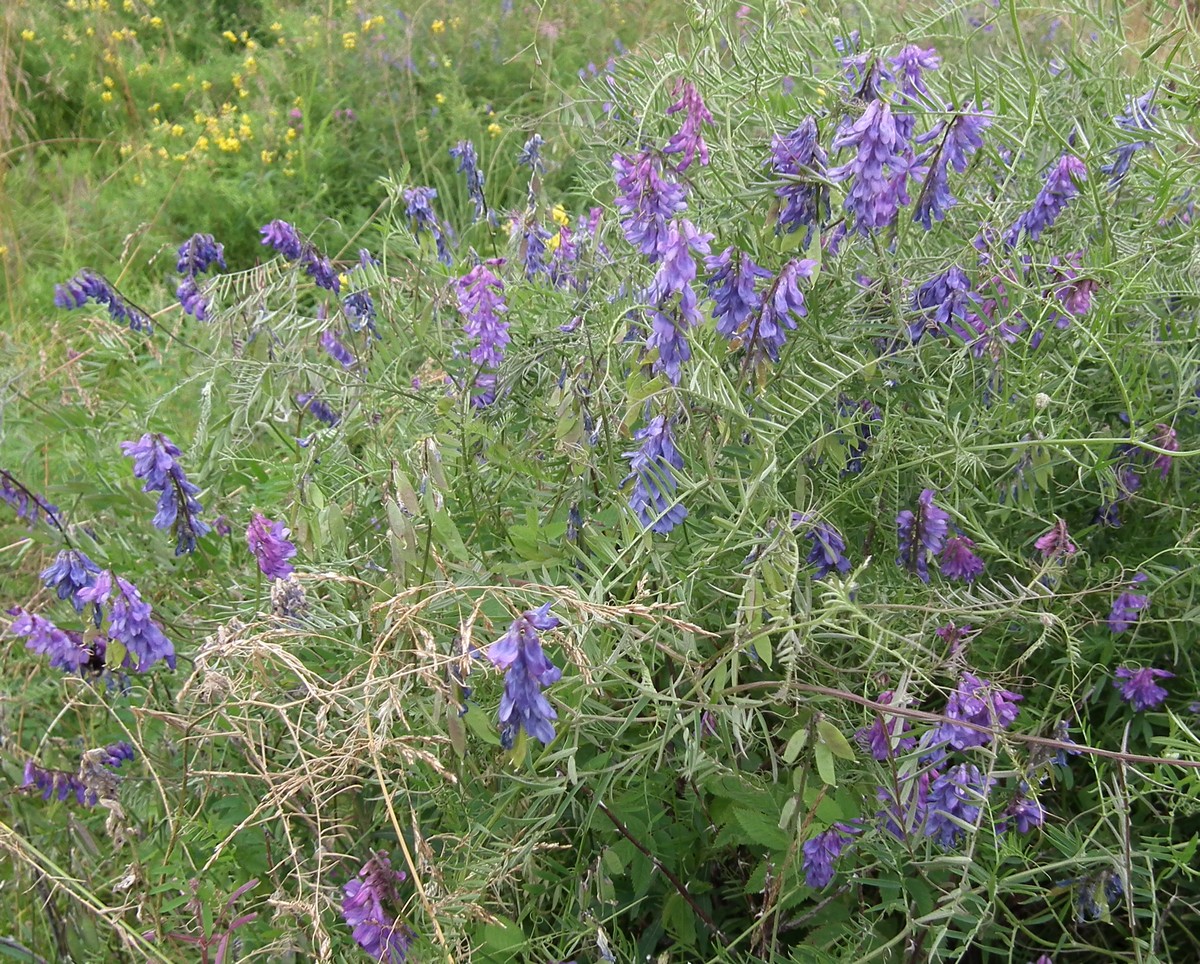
x,y
613,482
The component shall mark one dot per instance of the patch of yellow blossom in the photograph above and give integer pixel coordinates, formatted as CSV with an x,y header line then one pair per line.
x,y
349,40
494,129
438,26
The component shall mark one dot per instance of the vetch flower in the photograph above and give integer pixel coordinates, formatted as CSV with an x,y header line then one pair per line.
x,y
653,496
800,163
318,409
1138,688
909,69
922,533
1024,812
1055,544
66,649
55,784
29,506
285,239
955,801
1138,117
88,286
689,141
360,310
1165,438
481,304
533,246
1127,607
732,287
1051,200
335,349
530,155
419,208
981,703
155,460
130,622
468,164
71,571
821,850
782,304
881,739
528,672
828,550
871,201
957,561
367,908
943,304
269,542
906,803
865,413
196,255
646,201
960,137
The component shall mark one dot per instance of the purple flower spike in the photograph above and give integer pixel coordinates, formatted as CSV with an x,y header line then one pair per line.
x,y
959,139
872,200
782,305
1165,438
519,652
798,159
1051,200
335,349
689,141
1127,607
981,703
130,622
944,303
828,550
1138,688
732,287
884,740
419,208
154,459
318,409
269,542
1024,813
284,238
821,850
89,286
199,253
922,533
67,650
1055,544
653,496
646,201
468,164
70,572
56,785
30,506
955,799
958,561
366,910
482,306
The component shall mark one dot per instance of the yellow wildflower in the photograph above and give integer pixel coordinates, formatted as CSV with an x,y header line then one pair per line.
x,y
138,180
28,36
245,133
229,144
202,143
177,130
164,153
553,242
276,27
560,216
349,40
447,62
176,87
288,172
230,36
156,23
109,82
494,129
106,97
125,150
153,108
181,158
267,156
438,26
251,66
290,135
440,98
251,44
206,85
455,23
142,69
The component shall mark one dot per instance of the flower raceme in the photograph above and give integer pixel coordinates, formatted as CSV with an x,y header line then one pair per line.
x,y
1127,607
285,239
800,163
646,201
67,650
922,533
1051,200
71,571
872,200
88,286
651,466
689,141
155,459
196,255
468,165
528,671
367,909
481,304
269,542
130,622
1138,687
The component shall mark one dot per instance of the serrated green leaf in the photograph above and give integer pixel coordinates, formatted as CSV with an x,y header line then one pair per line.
x,y
761,829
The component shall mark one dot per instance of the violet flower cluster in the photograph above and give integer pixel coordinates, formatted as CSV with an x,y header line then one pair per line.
x,y
155,460
1051,201
419,209
689,141
285,239
468,165
651,466
196,255
1138,687
62,786
528,671
800,164
481,303
130,622
66,649
29,506
922,533
269,542
70,572
318,409
368,909
819,852
1128,606
88,286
